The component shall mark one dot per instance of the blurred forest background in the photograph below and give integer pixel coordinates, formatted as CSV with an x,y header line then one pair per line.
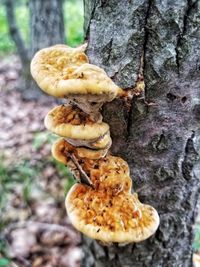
x,y
32,185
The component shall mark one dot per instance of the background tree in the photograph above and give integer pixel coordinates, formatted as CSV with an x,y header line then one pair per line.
x,y
159,134
46,28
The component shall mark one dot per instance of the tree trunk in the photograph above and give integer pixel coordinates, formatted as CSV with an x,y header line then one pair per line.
x,y
159,135
46,28
15,33
21,47
46,24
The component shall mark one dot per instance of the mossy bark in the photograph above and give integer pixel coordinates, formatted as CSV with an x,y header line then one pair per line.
x,y
159,135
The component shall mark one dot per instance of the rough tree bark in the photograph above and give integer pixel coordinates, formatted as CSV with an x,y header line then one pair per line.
x,y
160,135
46,28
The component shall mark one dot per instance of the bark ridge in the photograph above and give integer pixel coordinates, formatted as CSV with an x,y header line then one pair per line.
x,y
163,138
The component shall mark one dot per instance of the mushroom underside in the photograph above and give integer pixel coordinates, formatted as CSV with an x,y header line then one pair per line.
x,y
90,103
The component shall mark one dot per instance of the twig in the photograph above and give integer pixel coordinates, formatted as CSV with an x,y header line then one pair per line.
x,y
83,176
25,262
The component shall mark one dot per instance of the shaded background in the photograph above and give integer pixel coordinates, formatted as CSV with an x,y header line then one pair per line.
x,y
32,185
35,230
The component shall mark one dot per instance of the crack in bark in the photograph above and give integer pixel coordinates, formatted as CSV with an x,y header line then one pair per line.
x,y
87,30
146,36
129,119
113,77
106,251
190,158
116,259
190,6
177,53
103,3
161,139
141,67
108,48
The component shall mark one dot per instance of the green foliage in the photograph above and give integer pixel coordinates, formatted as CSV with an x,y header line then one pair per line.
x,y
4,258
73,18
24,174
42,138
73,15
18,173
4,262
63,171
196,244
6,43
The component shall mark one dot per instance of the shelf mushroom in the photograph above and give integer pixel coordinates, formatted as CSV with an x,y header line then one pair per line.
x,y
63,72
101,205
103,142
78,127
61,148
100,215
103,171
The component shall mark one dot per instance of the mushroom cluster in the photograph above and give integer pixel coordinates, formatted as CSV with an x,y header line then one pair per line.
x,y
101,204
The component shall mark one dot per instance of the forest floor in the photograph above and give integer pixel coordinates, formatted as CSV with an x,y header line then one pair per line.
x,y
32,184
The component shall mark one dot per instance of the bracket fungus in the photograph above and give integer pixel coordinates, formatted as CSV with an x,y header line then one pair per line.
x,y
71,122
101,205
120,218
64,72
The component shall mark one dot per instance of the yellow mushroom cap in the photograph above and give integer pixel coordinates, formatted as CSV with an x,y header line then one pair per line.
x,y
61,147
108,172
63,71
103,142
58,121
120,218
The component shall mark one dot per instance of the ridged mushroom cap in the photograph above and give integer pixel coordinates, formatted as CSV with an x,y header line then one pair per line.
x,y
103,171
121,218
63,71
61,120
61,147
